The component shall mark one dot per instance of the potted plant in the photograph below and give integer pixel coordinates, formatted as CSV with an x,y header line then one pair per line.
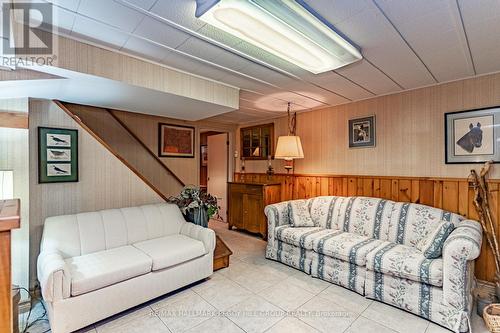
x,y
197,206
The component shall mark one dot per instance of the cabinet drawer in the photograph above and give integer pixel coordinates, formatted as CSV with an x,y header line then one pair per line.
x,y
247,189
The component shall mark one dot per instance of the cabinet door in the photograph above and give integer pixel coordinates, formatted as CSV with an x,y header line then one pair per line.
x,y
252,212
236,209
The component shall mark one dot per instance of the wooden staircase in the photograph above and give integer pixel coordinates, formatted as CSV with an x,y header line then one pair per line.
x,y
107,128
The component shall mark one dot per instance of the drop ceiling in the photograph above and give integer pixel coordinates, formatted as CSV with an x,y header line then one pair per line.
x,y
406,44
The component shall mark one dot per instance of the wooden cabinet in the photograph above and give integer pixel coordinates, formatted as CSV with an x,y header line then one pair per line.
x,y
247,202
9,219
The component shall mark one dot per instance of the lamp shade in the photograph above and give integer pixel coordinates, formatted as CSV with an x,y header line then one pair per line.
x,y
289,148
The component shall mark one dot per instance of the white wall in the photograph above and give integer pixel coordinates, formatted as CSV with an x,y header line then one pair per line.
x,y
14,156
104,181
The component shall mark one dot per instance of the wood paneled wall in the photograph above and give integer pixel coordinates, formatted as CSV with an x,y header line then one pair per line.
x,y
451,194
409,126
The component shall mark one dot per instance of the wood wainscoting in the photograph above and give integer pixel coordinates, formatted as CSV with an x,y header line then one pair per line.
x,y
451,194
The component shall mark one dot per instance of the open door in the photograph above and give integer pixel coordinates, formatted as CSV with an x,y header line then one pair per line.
x,y
218,170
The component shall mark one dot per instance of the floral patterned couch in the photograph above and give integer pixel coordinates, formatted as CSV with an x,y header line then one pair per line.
x,y
368,245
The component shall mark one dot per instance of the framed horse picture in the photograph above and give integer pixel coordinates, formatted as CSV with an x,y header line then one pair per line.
x,y
362,132
472,136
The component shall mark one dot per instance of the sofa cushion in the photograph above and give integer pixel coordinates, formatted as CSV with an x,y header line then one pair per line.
x,y
171,250
302,237
346,246
101,269
299,213
432,245
405,262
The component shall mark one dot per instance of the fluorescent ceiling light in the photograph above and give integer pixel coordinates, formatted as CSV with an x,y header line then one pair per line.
x,y
286,28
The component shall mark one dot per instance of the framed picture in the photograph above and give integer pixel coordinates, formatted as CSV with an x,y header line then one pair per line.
x,y
57,155
175,141
204,155
362,132
472,136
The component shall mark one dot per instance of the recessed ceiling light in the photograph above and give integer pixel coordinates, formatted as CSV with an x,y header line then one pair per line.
x,y
287,28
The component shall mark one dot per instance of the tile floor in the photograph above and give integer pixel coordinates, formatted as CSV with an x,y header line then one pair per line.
x,y
252,295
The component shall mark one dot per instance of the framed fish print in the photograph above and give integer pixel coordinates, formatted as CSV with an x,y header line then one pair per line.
x,y
175,141
472,136
57,155
362,132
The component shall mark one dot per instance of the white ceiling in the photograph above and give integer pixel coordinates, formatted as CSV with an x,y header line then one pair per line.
x,y
86,89
405,43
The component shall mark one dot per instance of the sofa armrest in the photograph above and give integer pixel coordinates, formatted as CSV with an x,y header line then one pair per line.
x,y
460,248
54,276
205,235
277,215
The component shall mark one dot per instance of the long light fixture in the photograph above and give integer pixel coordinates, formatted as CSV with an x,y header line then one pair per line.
x,y
288,29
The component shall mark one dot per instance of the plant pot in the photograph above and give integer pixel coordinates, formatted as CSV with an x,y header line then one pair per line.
x,y
483,300
198,216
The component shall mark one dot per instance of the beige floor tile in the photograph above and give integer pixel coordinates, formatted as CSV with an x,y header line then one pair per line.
x,y
286,295
395,319
291,325
124,318
477,323
325,315
171,298
347,298
308,282
433,328
225,295
216,279
186,313
216,325
148,323
362,325
255,314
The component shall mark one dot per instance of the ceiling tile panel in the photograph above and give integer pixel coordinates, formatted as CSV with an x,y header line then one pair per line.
x,y
212,53
144,4
316,93
68,4
63,19
144,49
160,32
218,35
482,24
193,66
91,30
380,43
339,10
178,11
364,74
434,30
338,84
112,13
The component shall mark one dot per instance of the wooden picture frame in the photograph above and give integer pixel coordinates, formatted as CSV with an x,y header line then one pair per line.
x,y
362,132
176,140
260,148
472,136
57,155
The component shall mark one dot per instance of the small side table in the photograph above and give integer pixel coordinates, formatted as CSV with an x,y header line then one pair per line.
x,y
221,254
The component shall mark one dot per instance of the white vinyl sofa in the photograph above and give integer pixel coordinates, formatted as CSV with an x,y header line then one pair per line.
x,y
94,265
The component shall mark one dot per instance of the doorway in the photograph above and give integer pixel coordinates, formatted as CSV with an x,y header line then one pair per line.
x,y
214,168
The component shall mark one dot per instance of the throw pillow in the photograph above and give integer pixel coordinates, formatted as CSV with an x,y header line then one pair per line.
x,y
432,245
299,214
